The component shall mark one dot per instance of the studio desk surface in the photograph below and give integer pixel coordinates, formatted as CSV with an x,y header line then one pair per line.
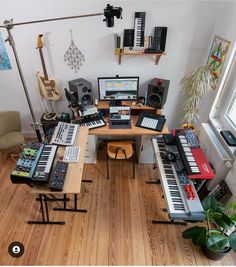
x,y
134,130
74,173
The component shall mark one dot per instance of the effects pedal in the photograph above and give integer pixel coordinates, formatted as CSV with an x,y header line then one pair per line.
x,y
57,179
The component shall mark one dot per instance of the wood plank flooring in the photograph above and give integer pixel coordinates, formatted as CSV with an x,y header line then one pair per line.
x,y
116,230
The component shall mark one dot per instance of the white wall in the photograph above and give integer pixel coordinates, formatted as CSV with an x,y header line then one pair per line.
x,y
190,25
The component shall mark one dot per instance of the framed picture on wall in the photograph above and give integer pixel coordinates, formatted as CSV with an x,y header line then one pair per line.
x,y
217,55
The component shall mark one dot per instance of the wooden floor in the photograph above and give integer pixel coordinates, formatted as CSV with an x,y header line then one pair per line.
x,y
116,230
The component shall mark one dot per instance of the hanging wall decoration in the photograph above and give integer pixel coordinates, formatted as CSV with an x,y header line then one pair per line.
x,y
73,56
4,59
217,55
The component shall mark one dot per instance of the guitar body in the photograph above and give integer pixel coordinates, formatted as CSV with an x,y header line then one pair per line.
x,y
47,88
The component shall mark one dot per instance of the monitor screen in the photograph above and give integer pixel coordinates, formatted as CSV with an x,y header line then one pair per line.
x,y
118,88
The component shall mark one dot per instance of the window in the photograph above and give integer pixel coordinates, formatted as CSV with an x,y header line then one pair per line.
x,y
223,112
231,111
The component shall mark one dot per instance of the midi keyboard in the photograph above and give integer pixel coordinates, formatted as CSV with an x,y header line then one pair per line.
x,y
92,121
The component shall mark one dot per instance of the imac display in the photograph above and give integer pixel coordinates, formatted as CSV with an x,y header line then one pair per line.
x,y
118,88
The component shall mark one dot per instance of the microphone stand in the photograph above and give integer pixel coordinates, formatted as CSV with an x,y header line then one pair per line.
x,y
8,25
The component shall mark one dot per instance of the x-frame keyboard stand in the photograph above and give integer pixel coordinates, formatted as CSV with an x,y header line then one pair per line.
x,y
65,199
43,199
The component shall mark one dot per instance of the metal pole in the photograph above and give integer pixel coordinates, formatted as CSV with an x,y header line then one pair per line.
x,y
10,22
11,41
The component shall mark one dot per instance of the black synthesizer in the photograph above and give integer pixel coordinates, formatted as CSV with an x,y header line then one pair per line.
x,y
91,121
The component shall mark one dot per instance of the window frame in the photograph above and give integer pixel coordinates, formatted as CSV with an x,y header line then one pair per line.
x,y
224,98
232,103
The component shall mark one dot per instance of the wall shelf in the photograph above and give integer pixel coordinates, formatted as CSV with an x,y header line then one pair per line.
x,y
120,53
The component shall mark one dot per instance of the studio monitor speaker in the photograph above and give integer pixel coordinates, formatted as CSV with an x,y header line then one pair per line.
x,y
82,89
157,92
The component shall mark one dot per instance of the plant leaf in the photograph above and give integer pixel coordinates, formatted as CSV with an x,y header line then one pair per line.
x,y
217,242
213,215
200,239
209,203
224,221
232,241
190,232
197,234
233,217
220,207
214,231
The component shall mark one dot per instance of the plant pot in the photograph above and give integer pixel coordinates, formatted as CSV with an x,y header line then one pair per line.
x,y
213,255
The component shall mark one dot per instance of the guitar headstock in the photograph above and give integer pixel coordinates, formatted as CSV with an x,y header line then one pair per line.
x,y
40,41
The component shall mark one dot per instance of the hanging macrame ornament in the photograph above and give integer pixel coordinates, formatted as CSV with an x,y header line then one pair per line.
x,y
73,56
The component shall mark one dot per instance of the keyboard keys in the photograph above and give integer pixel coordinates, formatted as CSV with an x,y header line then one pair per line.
x,y
92,121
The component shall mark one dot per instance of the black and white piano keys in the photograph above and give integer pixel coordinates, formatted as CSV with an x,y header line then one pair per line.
x,y
93,124
137,37
44,164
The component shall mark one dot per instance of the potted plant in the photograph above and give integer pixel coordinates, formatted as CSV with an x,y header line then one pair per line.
x,y
216,235
194,85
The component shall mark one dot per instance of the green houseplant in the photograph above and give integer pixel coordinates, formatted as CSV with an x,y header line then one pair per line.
x,y
217,234
194,85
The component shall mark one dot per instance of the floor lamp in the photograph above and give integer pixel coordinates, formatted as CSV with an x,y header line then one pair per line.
x,y
109,12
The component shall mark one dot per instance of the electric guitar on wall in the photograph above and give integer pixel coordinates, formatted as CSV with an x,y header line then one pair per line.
x,y
47,87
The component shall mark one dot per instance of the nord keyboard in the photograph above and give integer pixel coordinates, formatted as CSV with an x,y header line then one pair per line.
x,y
64,134
44,165
180,194
92,121
193,157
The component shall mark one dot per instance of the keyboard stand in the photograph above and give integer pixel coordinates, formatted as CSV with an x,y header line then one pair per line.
x,y
168,222
72,186
171,221
53,198
45,215
157,181
75,201
71,209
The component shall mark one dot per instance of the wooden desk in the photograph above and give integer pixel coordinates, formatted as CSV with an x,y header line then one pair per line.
x,y
134,131
106,105
72,183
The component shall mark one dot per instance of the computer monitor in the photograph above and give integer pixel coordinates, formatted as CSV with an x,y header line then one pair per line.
x,y
117,89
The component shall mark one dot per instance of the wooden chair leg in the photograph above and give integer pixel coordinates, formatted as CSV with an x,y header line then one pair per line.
x,y
4,156
133,166
107,166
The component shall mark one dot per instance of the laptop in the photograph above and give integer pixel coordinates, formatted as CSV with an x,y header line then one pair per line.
x,y
119,117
